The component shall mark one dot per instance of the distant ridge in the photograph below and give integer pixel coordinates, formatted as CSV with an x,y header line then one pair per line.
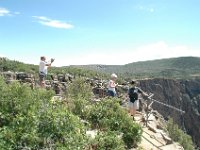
x,y
180,67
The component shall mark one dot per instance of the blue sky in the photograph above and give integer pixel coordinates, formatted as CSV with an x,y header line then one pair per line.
x,y
111,32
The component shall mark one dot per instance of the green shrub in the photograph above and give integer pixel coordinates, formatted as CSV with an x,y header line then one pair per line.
x,y
58,126
107,140
132,134
79,106
108,115
18,115
179,136
79,97
28,120
80,89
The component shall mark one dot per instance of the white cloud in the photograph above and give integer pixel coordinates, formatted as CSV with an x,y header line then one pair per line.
x,y
153,51
53,23
150,9
2,55
4,12
158,50
41,18
163,50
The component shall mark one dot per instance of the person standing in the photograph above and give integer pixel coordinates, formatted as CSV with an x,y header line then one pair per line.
x,y
43,67
133,97
111,85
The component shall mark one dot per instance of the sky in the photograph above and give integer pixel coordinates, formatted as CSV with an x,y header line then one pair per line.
x,y
109,32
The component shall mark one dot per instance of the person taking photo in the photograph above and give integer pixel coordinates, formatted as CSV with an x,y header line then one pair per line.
x,y
43,67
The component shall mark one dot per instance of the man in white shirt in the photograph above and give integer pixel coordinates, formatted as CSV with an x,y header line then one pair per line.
x,y
43,66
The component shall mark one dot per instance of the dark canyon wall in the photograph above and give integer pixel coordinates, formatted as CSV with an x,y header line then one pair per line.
x,y
182,94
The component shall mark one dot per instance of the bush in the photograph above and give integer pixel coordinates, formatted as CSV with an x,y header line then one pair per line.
x,y
80,107
108,115
79,98
107,140
80,89
58,126
28,120
179,136
132,134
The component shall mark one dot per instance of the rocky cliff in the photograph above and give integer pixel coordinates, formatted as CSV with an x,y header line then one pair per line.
x,y
182,94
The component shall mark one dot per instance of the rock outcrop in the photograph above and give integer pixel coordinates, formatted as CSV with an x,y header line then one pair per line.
x,y
154,137
182,94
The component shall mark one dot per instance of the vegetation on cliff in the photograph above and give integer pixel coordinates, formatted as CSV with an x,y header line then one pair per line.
x,y
79,104
31,119
179,136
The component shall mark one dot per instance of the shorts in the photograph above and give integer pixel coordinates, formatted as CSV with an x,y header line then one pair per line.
x,y
112,93
134,105
42,76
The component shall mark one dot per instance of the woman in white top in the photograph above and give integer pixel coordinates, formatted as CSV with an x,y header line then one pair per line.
x,y
111,85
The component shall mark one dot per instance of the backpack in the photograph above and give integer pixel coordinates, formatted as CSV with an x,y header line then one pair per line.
x,y
133,94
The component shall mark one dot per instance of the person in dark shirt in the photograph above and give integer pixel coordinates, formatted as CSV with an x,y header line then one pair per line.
x,y
133,93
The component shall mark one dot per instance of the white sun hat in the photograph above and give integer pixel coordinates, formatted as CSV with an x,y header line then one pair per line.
x,y
113,75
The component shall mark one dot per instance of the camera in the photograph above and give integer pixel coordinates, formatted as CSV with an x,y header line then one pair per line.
x,y
52,60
